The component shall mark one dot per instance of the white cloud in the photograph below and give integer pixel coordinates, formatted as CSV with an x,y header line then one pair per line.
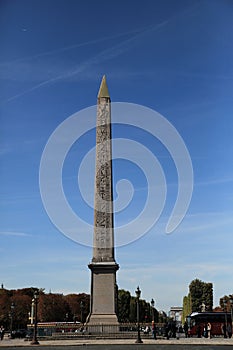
x,y
14,233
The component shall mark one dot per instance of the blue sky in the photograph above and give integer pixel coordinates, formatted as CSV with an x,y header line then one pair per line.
x,y
174,57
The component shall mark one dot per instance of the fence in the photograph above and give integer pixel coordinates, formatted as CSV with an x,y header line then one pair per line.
x,y
72,330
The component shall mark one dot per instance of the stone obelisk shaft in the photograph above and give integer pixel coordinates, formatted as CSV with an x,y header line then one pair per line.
x,y
103,265
103,244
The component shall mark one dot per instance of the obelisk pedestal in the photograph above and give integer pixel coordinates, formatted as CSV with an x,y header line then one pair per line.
x,y
103,266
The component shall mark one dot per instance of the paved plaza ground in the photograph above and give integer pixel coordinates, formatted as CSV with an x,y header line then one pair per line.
x,y
129,344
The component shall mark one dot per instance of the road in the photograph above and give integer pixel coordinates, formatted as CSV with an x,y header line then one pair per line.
x,y
126,347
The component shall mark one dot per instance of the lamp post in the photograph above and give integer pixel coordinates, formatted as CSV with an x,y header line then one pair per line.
x,y
225,309
81,311
153,319
34,305
231,304
152,307
11,316
138,293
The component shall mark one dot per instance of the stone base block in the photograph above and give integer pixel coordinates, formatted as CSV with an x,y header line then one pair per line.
x,y
102,319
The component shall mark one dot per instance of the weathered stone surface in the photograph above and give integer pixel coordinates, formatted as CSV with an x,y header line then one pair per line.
x,y
103,266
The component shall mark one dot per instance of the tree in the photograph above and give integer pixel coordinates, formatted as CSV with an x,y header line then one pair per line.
x,y
74,301
123,305
201,293
145,314
5,306
21,298
187,307
228,303
196,291
133,310
52,307
207,296
21,310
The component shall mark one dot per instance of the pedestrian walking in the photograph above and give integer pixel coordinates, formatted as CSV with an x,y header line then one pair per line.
x,y
153,329
2,332
209,330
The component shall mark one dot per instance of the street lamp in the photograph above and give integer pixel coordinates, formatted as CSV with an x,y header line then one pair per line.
x,y
153,319
152,306
231,304
34,306
138,293
11,316
81,310
225,309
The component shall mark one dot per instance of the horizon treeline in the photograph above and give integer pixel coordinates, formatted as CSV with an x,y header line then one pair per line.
x,y
56,307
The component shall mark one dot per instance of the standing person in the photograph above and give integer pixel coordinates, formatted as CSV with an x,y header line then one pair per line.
x,y
205,331
229,330
173,329
209,329
186,329
224,330
198,331
153,328
2,332
167,331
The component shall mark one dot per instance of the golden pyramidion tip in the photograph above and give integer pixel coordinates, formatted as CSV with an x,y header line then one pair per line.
x,y
103,91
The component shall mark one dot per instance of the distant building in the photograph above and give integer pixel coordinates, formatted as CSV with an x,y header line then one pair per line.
x,y
176,313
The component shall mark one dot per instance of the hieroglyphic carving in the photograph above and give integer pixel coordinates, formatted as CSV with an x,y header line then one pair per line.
x,y
103,265
103,222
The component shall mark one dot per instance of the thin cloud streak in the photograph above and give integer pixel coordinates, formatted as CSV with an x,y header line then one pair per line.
x,y
178,268
71,47
214,182
104,55
12,233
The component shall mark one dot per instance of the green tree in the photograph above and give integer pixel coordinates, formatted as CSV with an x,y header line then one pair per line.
x,y
201,293
228,303
124,298
133,310
207,296
196,292
187,307
145,311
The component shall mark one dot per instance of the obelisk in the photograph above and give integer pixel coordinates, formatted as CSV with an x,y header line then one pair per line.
x,y
103,266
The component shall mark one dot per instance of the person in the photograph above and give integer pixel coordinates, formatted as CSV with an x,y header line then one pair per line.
x,y
186,329
2,332
153,329
209,329
224,330
229,330
205,333
147,330
173,329
167,330
198,331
